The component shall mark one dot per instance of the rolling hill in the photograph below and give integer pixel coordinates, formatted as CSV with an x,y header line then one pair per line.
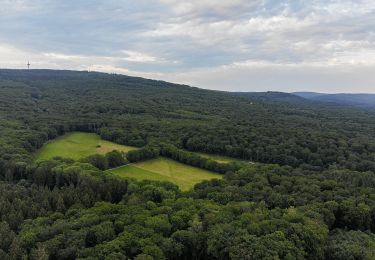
x,y
39,105
358,100
311,196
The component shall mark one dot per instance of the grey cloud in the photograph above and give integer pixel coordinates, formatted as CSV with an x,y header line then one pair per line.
x,y
277,43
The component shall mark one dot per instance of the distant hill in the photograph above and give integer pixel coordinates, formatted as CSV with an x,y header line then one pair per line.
x,y
358,100
308,95
271,96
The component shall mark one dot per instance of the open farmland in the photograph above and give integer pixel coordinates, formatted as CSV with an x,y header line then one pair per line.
x,y
78,145
163,169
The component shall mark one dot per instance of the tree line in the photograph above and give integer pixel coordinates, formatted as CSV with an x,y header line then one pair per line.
x,y
256,212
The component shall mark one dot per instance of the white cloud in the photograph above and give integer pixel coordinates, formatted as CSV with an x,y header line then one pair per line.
x,y
134,56
11,7
254,76
345,7
61,56
15,58
214,30
195,8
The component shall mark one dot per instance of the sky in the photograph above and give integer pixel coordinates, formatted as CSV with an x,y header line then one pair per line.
x,y
233,45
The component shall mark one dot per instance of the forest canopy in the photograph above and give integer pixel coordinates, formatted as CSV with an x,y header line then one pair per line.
x,y
309,195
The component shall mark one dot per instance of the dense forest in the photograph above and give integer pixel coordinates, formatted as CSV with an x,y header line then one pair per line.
x,y
310,195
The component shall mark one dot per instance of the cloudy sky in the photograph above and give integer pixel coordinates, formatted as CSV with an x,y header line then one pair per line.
x,y
235,45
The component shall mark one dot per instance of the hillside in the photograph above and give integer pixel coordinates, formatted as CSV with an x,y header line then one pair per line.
x,y
308,195
263,127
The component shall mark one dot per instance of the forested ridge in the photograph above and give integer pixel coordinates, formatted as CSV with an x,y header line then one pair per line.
x,y
310,195
358,100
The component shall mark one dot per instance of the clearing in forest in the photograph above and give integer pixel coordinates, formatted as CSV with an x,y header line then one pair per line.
x,y
77,145
163,169
221,158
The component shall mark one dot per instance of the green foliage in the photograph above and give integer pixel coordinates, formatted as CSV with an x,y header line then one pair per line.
x,y
351,245
115,159
136,112
147,233
98,160
313,198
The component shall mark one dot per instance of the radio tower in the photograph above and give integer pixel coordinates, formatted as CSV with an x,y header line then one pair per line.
x,y
28,65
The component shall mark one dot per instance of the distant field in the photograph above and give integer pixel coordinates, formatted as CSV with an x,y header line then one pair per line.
x,y
220,158
78,145
163,169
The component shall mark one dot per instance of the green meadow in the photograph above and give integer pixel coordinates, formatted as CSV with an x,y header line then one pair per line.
x,y
221,158
163,169
78,145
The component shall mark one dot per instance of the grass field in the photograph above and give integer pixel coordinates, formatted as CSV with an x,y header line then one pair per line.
x,y
220,158
163,169
78,145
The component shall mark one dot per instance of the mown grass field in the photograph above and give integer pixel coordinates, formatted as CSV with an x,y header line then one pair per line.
x,y
78,145
221,158
163,169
